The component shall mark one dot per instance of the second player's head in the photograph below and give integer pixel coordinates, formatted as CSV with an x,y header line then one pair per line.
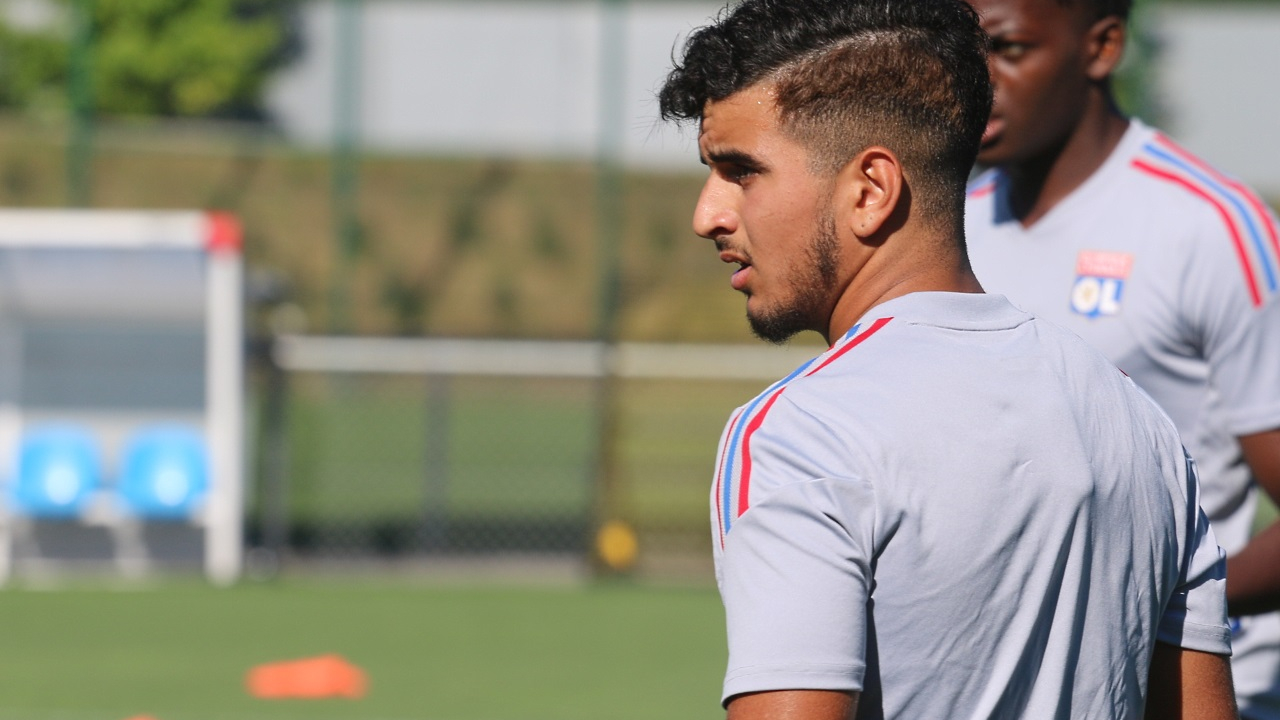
x,y
1051,62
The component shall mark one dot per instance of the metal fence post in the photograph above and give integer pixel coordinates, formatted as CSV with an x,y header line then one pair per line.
x,y
275,442
435,497
346,131
609,216
80,99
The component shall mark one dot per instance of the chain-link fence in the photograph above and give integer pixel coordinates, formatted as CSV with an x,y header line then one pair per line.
x,y
429,448
430,464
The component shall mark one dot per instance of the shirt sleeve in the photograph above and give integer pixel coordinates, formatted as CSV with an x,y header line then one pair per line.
x,y
795,580
1196,615
1232,297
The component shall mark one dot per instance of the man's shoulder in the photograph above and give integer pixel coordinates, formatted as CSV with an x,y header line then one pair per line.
x,y
1166,169
847,369
1228,231
818,397
1149,174
1152,196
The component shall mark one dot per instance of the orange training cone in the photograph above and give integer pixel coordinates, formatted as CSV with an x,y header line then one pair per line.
x,y
326,676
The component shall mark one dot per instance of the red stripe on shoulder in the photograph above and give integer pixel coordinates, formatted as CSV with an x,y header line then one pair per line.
x,y
1251,198
1241,254
982,190
744,485
1167,143
855,342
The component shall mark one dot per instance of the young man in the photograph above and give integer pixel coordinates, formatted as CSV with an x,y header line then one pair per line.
x,y
957,511
1107,227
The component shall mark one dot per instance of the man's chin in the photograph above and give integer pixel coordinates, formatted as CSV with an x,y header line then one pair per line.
x,y
990,156
999,152
776,328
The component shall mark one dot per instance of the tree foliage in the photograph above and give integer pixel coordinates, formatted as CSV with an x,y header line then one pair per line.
x,y
33,66
153,57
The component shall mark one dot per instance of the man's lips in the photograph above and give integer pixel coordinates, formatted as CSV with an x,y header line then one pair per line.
x,y
995,126
743,274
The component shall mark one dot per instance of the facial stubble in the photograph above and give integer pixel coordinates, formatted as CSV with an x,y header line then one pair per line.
x,y
812,287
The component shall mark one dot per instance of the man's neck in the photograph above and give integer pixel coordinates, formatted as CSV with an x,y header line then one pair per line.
x,y
935,267
1039,184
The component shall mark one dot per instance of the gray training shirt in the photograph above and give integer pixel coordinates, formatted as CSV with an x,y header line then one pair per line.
x,y
1172,270
963,512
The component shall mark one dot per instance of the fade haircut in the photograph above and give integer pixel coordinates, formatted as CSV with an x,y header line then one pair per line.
x,y
910,75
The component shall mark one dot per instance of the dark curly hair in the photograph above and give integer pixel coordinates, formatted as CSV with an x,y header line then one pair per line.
x,y
910,75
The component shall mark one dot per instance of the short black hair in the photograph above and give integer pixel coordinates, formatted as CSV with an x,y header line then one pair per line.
x,y
910,75
1104,8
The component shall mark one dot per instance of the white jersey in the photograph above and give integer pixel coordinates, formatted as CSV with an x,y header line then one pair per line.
x,y
960,511
1172,270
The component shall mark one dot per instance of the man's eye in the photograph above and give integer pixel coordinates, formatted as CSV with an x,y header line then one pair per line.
x,y
1008,50
738,173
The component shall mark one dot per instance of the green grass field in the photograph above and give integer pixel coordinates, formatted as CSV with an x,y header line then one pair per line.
x,y
180,651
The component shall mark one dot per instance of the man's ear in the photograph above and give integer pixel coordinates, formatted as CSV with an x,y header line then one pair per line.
x,y
870,186
1106,41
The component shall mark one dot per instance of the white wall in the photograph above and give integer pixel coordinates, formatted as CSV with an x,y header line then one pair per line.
x,y
491,77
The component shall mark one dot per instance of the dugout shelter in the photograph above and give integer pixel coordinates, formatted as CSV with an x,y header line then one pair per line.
x,y
121,390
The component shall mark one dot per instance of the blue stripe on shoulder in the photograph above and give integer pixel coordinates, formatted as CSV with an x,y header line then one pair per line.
x,y
743,420
1259,243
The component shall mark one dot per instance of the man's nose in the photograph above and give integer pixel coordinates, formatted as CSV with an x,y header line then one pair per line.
x,y
716,214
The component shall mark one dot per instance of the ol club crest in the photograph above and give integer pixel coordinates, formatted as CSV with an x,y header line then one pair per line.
x,y
1099,285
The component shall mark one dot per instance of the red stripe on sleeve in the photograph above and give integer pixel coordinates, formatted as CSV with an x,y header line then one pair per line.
x,y
1264,216
744,485
1241,253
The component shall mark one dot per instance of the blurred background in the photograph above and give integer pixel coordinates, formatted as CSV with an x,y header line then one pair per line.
x,y
478,342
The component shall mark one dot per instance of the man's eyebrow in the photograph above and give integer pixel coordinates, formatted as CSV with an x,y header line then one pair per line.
x,y
732,157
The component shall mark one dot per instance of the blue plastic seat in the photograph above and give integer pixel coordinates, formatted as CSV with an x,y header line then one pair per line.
x,y
164,472
58,469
